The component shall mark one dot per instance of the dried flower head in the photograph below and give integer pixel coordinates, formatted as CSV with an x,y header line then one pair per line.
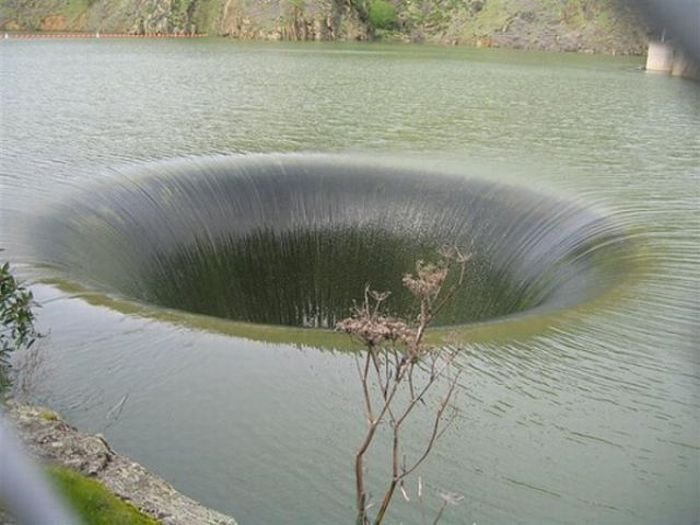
x,y
427,281
368,323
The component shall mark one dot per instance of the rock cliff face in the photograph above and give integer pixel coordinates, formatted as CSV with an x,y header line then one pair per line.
x,y
603,26
244,19
292,20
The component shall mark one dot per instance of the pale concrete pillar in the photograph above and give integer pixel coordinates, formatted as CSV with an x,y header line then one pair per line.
x,y
660,57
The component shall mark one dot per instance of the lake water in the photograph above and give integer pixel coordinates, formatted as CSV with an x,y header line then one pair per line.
x,y
585,414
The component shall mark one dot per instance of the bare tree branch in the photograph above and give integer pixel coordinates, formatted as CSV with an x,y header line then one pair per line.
x,y
394,350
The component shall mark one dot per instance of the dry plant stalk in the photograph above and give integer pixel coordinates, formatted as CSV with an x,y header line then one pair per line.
x,y
399,369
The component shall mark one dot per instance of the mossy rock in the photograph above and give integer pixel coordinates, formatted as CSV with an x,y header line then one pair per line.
x,y
93,503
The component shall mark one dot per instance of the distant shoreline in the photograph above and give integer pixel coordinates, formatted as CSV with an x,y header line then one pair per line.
x,y
607,28
51,35
44,35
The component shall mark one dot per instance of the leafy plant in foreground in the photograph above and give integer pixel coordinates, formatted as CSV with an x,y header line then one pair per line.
x,y
16,320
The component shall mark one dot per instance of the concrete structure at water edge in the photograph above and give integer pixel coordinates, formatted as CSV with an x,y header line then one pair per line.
x,y
662,57
51,440
684,66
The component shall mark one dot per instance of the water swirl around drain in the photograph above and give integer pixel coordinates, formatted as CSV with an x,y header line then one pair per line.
x,y
292,240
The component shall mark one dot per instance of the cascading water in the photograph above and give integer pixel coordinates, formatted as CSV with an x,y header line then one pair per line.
x,y
294,240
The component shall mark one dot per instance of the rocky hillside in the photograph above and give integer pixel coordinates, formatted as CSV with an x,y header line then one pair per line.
x,y
605,26
245,19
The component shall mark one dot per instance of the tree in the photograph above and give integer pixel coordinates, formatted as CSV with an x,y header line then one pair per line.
x,y
16,320
399,370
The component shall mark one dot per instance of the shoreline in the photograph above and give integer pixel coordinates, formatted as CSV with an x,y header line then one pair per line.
x,y
46,35
50,35
48,439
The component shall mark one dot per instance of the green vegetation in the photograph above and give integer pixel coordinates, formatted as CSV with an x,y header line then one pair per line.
x,y
93,503
382,14
16,320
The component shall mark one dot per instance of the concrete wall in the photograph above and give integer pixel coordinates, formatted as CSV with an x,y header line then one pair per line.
x,y
663,58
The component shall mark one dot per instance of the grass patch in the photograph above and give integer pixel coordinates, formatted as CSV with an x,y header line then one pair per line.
x,y
93,503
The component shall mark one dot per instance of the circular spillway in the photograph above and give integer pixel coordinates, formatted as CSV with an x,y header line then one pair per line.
x,y
293,240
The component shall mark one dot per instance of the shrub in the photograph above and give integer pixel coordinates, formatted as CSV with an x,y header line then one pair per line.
x,y
382,14
16,320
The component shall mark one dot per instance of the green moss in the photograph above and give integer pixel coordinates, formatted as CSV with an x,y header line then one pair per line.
x,y
93,503
48,415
